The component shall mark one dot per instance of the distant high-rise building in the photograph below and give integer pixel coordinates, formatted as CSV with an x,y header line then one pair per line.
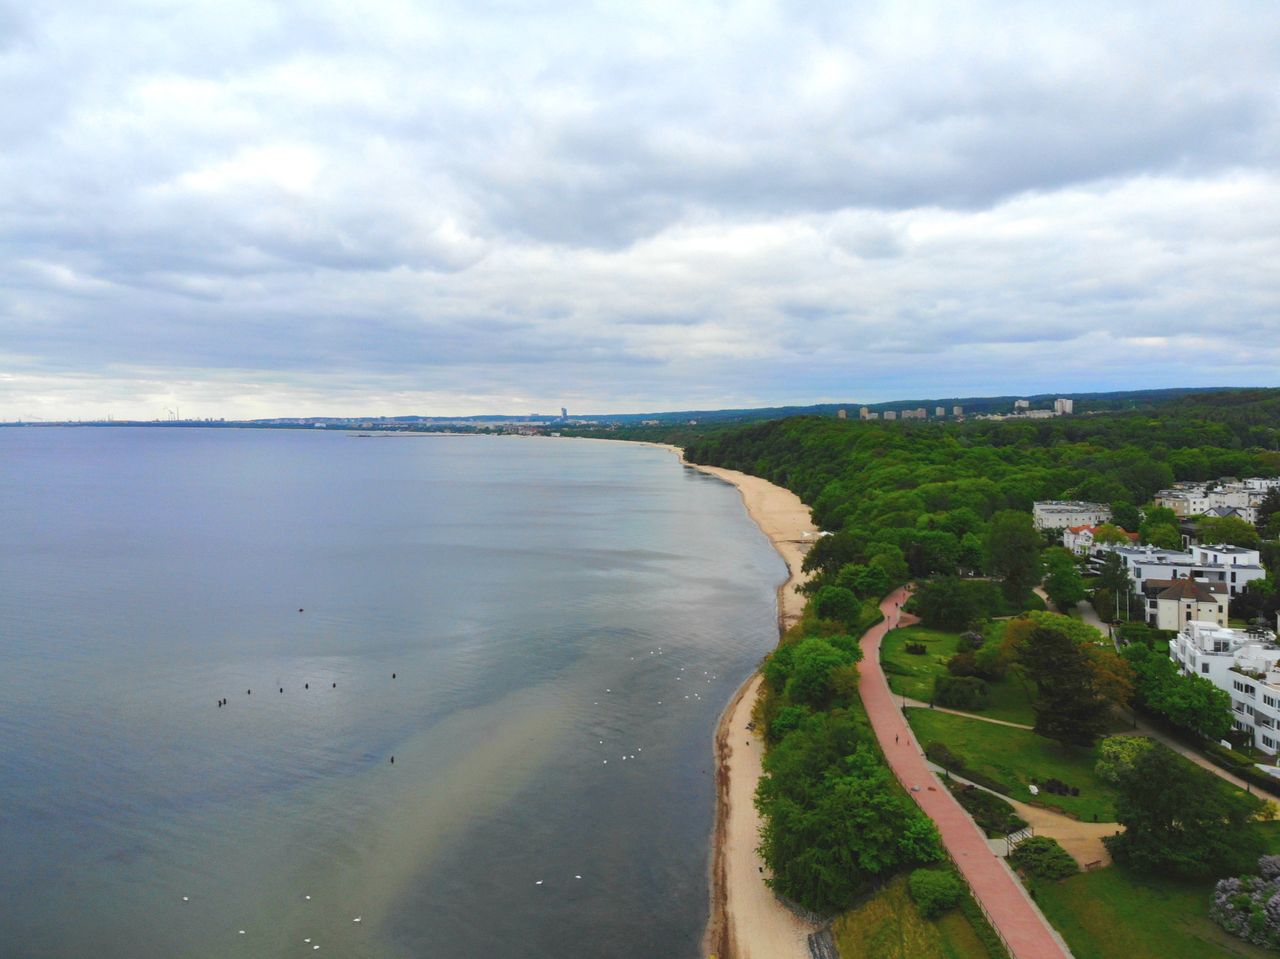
x,y
864,413
1022,404
939,411
890,414
957,411
872,416
842,414
1063,407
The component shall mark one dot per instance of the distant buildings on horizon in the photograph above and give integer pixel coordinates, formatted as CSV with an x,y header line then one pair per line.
x,y
1021,410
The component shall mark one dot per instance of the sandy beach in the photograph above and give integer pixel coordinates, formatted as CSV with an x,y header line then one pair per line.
x,y
747,922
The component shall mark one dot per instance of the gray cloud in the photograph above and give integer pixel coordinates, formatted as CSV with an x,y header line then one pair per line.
x,y
458,207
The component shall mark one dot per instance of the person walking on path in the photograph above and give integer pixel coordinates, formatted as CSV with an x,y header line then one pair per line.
x,y
1011,910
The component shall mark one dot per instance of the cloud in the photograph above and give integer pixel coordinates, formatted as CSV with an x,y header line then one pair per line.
x,y
287,207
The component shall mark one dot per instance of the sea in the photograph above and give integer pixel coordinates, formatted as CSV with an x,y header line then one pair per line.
x,y
470,687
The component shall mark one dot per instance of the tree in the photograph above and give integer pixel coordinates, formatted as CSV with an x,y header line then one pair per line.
x,y
1191,702
1069,706
1178,819
1108,534
951,603
1229,530
1012,548
1153,517
1114,582
1126,515
1062,580
813,663
1162,536
1269,508
838,603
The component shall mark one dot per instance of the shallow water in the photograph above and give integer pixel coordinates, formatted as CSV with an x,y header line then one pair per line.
x,y
548,607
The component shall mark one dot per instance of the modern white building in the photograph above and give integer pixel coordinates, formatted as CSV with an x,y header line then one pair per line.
x,y
1198,499
1062,514
1232,566
1063,407
1244,663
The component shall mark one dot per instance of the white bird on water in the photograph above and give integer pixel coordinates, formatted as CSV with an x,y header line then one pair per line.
x,y
357,918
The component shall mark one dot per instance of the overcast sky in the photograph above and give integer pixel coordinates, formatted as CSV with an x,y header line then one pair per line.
x,y
323,207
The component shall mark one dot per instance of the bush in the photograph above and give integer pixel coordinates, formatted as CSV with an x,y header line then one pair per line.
x,y
963,664
935,891
970,641
1117,754
838,603
1249,906
916,649
993,814
960,692
1043,858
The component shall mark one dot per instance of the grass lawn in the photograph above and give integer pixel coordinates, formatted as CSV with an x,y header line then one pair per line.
x,y
1116,914
888,926
1013,757
912,675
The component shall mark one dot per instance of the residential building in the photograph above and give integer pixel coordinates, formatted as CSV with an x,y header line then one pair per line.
x,y
842,414
1244,664
890,414
864,413
939,411
957,411
1063,407
1232,566
1079,539
1022,404
1172,603
1061,514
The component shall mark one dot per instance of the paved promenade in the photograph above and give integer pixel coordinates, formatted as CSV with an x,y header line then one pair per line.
x,y
1025,931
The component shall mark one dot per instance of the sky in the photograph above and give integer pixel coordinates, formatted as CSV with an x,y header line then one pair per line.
x,y
246,209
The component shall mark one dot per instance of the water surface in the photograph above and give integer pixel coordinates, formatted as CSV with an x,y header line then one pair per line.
x,y
564,621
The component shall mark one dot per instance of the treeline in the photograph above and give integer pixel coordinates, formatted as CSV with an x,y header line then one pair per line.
x,y
836,821
925,494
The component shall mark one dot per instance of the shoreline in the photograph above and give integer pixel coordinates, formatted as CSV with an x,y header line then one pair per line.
x,y
746,919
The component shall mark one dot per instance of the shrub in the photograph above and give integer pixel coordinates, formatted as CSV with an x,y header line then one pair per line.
x,y
960,692
1117,754
993,814
1043,858
1249,906
944,757
962,664
934,890
916,649
838,603
970,641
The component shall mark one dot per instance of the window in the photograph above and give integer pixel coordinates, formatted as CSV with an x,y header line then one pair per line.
x,y
1268,742
1204,667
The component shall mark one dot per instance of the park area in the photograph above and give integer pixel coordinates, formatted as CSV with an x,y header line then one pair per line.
x,y
1009,759
1115,913
889,926
912,674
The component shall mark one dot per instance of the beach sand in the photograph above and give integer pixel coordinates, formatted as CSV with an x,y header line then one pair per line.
x,y
747,921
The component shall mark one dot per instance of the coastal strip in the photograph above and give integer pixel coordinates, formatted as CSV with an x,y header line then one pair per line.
x,y
747,920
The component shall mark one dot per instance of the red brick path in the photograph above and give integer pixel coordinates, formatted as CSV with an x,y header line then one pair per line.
x,y
1025,931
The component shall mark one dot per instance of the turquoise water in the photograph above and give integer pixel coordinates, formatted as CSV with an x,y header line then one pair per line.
x,y
564,620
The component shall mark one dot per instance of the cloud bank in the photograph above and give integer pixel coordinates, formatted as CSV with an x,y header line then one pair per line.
x,y
255,209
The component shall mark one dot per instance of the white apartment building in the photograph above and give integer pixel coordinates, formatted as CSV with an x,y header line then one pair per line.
x,y
1196,499
1242,663
1063,407
1232,566
1063,514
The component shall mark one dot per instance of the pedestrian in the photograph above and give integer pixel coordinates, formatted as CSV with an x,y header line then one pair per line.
x,y
895,740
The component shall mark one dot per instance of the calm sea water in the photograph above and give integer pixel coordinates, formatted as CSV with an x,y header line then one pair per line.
x,y
564,620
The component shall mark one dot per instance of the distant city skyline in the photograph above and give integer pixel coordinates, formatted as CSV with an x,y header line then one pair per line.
x,y
253,210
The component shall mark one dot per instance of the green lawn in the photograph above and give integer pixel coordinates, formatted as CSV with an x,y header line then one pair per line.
x,y
1115,914
888,926
912,675
1013,757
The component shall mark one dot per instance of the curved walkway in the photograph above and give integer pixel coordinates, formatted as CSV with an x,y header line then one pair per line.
x,y
1004,899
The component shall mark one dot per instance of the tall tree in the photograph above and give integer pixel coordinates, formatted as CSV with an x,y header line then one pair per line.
x,y
1012,550
1070,707
1178,819
1231,530
1062,579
